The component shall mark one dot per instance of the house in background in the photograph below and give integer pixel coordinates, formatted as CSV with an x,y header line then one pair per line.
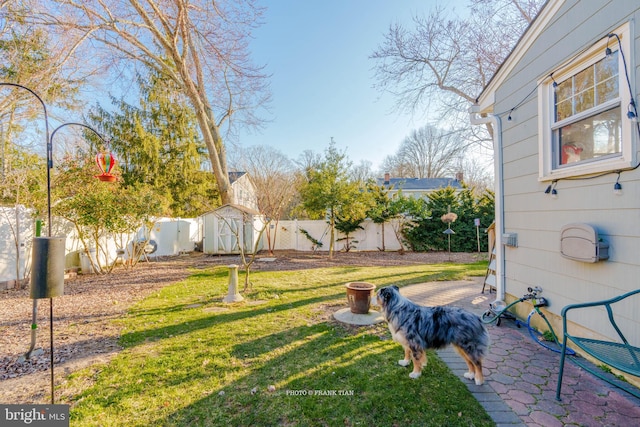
x,y
418,188
562,110
244,192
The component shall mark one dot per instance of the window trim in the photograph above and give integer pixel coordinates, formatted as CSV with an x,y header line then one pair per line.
x,y
546,109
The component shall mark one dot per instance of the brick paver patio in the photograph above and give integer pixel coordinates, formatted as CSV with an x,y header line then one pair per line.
x,y
521,376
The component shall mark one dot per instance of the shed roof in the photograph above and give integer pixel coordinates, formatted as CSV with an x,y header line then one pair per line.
x,y
234,206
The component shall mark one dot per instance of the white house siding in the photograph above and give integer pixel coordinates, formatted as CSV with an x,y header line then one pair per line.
x,y
536,217
244,193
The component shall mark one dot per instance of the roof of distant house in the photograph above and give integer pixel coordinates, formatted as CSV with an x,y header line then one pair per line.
x,y
234,176
419,183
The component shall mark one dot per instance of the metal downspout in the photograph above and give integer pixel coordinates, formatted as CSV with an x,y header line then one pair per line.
x,y
477,119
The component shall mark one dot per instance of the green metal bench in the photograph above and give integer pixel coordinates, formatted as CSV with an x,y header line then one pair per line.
x,y
619,355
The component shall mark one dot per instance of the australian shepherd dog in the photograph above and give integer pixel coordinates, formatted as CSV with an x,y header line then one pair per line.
x,y
418,328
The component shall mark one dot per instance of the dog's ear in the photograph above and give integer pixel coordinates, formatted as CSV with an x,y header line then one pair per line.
x,y
385,294
395,287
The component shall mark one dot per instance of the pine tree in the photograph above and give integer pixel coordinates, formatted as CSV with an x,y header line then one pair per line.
x,y
157,143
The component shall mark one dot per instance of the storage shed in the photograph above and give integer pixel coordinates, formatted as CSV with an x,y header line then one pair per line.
x,y
223,227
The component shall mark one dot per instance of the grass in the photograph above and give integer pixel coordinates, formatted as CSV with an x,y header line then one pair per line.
x,y
607,369
190,360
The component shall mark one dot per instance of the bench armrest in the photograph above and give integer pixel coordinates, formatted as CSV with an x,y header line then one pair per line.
x,y
607,302
622,356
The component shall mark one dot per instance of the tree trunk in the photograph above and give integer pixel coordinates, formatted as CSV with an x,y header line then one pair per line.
x,y
332,224
213,140
271,244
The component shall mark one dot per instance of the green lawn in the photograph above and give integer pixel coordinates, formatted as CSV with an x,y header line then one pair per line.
x,y
191,360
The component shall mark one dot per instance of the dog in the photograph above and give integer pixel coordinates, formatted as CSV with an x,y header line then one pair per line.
x,y
418,328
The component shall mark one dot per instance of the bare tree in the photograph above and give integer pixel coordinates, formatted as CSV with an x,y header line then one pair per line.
x,y
442,64
28,57
362,172
427,152
475,173
31,58
200,45
276,182
392,165
308,161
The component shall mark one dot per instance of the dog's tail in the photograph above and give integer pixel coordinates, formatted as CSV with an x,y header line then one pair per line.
x,y
471,336
480,345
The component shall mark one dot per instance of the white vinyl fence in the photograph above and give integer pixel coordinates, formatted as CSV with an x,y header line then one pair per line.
x,y
288,236
170,236
16,233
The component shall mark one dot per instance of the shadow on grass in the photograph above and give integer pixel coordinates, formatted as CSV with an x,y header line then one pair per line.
x,y
393,278
181,358
214,320
324,376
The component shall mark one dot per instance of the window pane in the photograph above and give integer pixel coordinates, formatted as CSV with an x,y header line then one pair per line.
x,y
588,88
589,139
607,68
584,101
606,91
563,110
584,89
606,133
606,74
564,90
584,80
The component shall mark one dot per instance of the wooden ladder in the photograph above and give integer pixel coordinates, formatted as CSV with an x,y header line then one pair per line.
x,y
490,276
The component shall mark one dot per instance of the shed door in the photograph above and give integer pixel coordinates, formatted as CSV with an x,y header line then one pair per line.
x,y
226,240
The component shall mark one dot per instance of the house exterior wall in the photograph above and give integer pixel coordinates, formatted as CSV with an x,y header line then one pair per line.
x,y
244,193
418,188
536,217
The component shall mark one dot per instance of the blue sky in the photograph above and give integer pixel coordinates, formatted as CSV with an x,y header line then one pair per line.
x,y
322,78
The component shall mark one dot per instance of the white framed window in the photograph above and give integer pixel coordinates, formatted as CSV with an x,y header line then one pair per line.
x,y
583,106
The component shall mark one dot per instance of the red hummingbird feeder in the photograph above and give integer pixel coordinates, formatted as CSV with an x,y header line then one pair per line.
x,y
106,162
